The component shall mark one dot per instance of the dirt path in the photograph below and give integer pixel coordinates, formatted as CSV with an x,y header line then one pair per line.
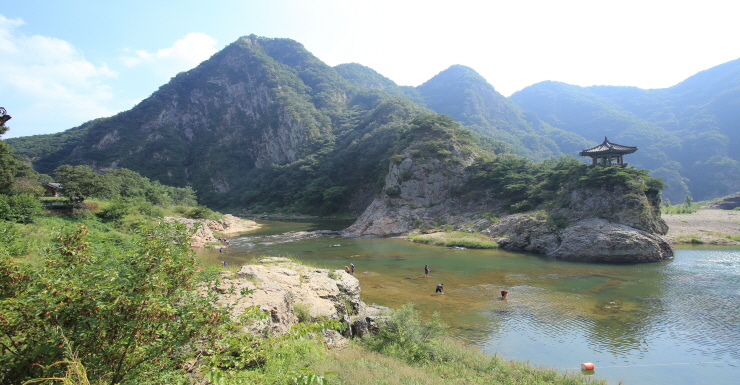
x,y
720,227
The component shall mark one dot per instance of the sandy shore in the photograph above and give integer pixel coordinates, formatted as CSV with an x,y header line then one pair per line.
x,y
720,227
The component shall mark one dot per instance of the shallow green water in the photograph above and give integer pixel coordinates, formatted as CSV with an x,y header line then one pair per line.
x,y
671,322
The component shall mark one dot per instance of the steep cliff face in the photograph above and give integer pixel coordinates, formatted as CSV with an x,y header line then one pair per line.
x,y
613,223
416,193
616,204
420,181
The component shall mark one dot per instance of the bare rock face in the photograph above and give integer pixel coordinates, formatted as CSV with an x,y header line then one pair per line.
x,y
415,193
601,225
603,241
618,205
277,286
592,239
529,233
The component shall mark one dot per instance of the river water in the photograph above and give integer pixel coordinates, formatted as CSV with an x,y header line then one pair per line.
x,y
671,322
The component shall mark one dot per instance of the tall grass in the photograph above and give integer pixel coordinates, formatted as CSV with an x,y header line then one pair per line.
x,y
455,239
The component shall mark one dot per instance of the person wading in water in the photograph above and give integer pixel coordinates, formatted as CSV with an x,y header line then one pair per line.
x,y
426,271
439,289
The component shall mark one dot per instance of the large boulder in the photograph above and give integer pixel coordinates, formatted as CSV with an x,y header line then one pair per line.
x,y
591,239
277,286
602,241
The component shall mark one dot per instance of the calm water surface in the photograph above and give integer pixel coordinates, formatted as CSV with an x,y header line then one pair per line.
x,y
672,322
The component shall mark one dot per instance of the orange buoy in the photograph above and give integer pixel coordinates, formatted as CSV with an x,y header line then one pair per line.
x,y
587,366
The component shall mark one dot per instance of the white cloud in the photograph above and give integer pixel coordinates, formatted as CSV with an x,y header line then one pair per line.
x,y
184,54
46,81
47,85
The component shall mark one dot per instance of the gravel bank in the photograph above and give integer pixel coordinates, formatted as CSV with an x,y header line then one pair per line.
x,y
719,227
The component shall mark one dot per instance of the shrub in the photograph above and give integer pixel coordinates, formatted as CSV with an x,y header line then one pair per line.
x,y
558,220
393,191
396,159
122,312
301,312
19,208
116,211
11,242
403,335
202,212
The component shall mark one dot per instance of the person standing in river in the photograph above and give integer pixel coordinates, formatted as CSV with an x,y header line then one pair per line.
x,y
352,268
426,271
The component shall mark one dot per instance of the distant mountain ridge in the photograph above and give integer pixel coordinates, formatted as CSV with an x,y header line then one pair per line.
x,y
265,125
688,134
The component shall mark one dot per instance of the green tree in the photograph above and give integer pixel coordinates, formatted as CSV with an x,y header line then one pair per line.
x,y
78,182
8,167
334,196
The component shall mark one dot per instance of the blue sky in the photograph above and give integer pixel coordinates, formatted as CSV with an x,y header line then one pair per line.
x,y
63,63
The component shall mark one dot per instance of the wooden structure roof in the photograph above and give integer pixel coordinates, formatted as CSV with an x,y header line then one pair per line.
x,y
4,117
608,151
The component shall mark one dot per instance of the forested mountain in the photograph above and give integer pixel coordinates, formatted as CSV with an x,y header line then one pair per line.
x,y
463,94
264,125
687,134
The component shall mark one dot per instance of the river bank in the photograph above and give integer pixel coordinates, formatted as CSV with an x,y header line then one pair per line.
x,y
712,227
299,304
558,313
209,230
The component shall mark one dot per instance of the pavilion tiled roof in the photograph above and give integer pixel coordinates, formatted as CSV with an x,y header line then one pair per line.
x,y
608,148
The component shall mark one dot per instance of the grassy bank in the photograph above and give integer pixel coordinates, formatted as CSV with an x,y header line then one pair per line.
x,y
407,350
455,239
118,280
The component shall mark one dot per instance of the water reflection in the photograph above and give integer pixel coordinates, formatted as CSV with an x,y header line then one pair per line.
x,y
635,322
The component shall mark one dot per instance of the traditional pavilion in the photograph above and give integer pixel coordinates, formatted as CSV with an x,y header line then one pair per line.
x,y
608,152
4,117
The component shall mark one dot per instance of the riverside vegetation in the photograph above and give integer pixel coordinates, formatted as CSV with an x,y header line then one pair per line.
x,y
104,292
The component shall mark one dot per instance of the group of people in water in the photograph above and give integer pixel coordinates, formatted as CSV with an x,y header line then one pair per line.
x,y
223,241
438,290
350,269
